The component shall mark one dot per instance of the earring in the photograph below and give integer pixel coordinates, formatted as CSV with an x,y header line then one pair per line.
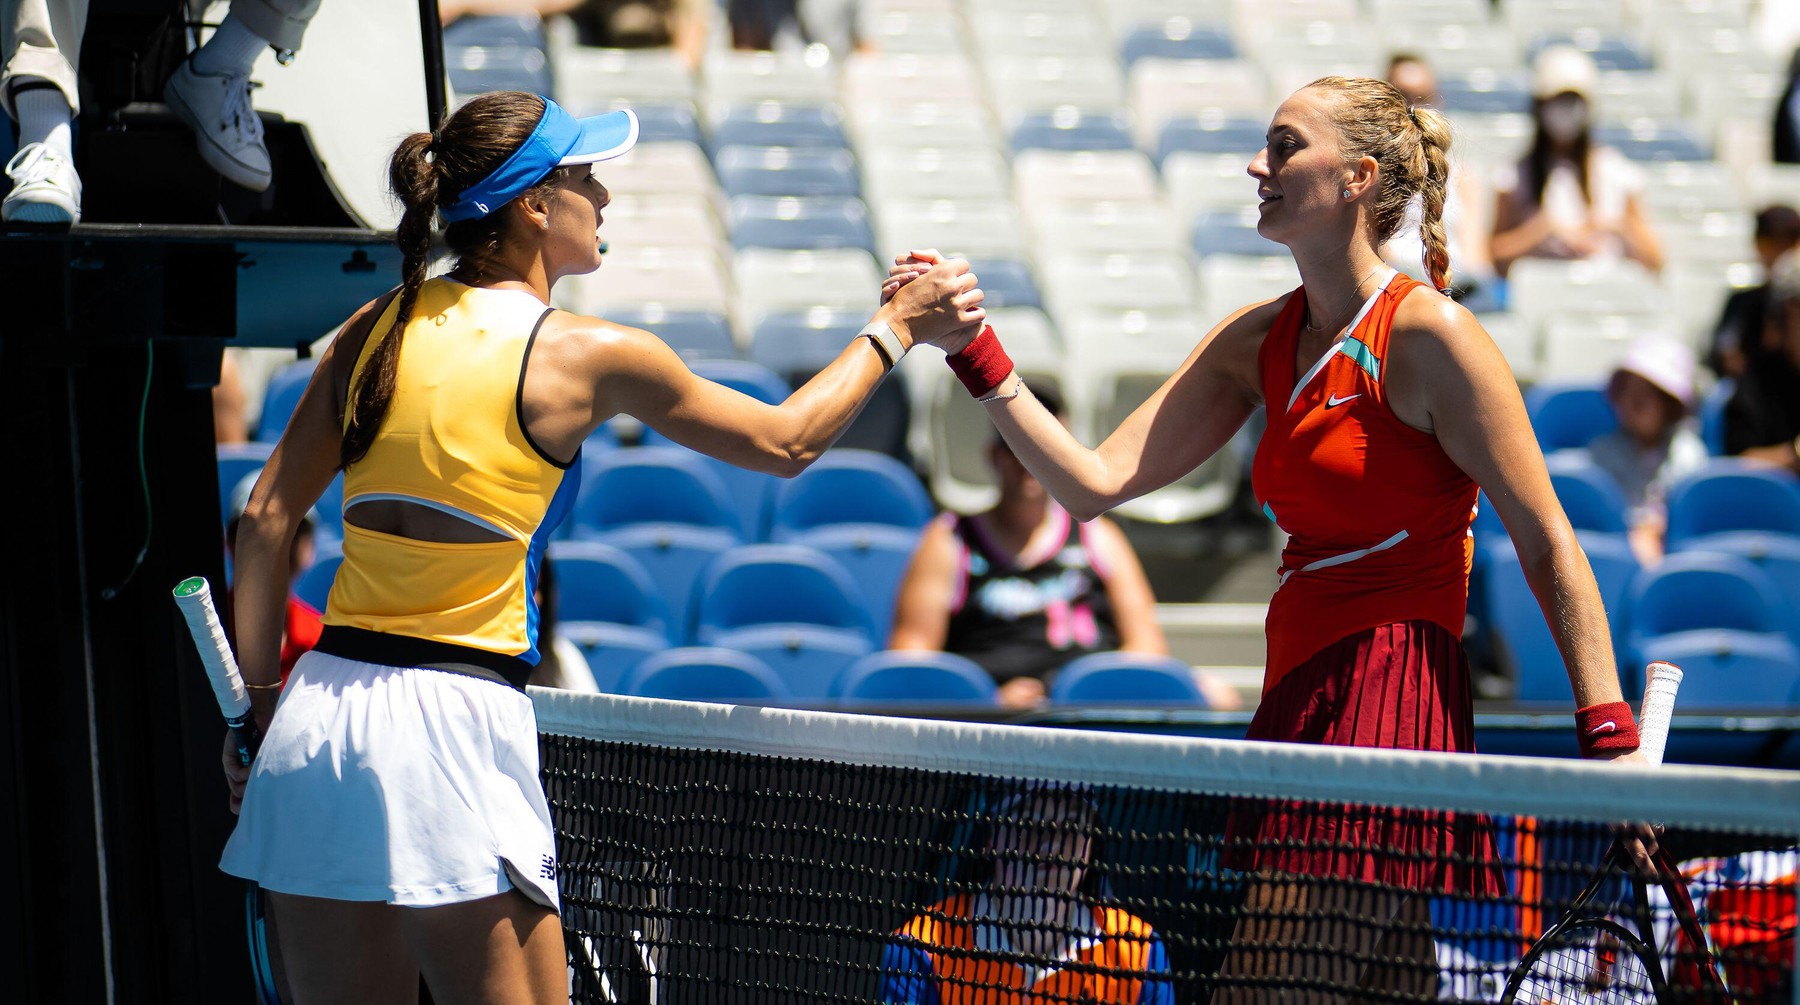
x,y
1346,193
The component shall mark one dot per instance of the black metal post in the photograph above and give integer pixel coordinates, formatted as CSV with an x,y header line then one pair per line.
x,y
431,39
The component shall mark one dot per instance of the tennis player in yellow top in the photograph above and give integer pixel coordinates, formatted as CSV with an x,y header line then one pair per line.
x,y
394,815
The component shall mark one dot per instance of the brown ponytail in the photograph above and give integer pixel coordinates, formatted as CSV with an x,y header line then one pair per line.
x,y
1412,147
427,170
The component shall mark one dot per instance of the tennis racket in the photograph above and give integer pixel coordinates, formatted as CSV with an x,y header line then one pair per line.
x,y
194,597
1590,958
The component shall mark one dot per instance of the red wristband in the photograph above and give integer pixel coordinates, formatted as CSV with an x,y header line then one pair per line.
x,y
982,364
1606,727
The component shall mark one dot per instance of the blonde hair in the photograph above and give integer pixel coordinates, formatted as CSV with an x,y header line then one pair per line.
x,y
1412,147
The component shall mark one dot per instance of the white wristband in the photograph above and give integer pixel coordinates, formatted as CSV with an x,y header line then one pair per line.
x,y
886,342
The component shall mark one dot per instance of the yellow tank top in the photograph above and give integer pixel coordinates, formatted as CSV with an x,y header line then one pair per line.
x,y
453,440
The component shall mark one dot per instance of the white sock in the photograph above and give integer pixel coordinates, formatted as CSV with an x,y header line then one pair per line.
x,y
232,50
44,116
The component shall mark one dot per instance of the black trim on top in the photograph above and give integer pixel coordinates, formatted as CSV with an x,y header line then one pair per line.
x,y
382,648
519,396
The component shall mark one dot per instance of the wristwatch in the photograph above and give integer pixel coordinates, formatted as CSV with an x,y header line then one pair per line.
x,y
886,342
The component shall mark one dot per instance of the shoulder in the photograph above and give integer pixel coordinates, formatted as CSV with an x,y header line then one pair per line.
x,y
1428,323
596,347
1437,348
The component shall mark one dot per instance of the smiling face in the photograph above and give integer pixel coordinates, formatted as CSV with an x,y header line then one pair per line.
x,y
1301,172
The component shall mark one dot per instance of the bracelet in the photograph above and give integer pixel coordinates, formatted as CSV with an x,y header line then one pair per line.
x,y
1606,727
1018,384
263,687
982,365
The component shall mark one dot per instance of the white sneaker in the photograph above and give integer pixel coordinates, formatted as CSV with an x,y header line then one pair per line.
x,y
227,128
45,189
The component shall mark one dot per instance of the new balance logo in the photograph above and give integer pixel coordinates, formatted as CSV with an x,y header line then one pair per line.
x,y
1334,401
1606,727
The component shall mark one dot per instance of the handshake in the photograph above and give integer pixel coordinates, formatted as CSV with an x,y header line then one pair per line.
x,y
928,298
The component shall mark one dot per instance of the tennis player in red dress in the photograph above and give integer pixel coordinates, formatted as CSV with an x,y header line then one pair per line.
x,y
1388,405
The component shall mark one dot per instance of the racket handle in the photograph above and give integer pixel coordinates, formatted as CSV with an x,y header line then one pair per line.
x,y
1661,681
194,597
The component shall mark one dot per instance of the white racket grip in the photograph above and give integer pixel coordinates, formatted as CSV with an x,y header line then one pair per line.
x,y
1661,681
196,605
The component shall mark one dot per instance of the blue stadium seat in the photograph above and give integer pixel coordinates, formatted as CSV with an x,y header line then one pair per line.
x,y
1654,141
1732,670
1067,129
695,334
1178,39
792,223
1127,678
1212,135
612,651
1731,495
1006,283
1699,591
806,658
817,171
748,490
705,674
763,584
314,585
849,487
281,397
235,461
798,344
1525,645
875,555
1589,496
653,485
1486,93
497,53
1569,415
1712,415
330,510
891,678
674,555
1232,232
598,582
1777,555
778,124
753,379
1609,52
673,123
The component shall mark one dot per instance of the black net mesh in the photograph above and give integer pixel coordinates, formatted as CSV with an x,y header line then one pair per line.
x,y
698,876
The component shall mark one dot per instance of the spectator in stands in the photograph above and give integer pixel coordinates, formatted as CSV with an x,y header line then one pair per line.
x,y
1652,392
231,418
1787,115
40,41
1762,419
1037,896
1743,322
1463,226
1569,198
1023,589
301,622
561,664
610,24
794,25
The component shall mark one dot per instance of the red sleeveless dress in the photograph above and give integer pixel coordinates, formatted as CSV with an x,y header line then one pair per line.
x,y
1364,630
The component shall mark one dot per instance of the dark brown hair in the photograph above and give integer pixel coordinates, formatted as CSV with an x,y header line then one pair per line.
x,y
429,170
1542,155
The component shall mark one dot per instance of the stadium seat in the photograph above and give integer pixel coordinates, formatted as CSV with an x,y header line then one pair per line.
x,y
747,490
806,658
1693,591
680,278
1228,282
1609,52
1589,496
926,678
935,80
675,123
1178,39
1731,495
1033,30
777,584
652,168
1067,129
612,651
966,227
1055,87
1144,281
741,76
674,555
1006,282
972,172
749,378
1526,648
849,487
236,461
705,674
1125,678
1211,134
497,53
330,510
822,171
695,334
1199,182
281,397
777,124
314,585
1232,232
666,219
600,583
798,344
1045,176
1568,415
1629,96
1590,346
1731,670
1143,225
1712,415
653,485
1654,141
769,280
795,224
651,82
1777,555
875,555
1486,92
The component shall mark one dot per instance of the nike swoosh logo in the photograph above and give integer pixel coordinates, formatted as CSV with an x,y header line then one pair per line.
x,y
1334,401
1605,727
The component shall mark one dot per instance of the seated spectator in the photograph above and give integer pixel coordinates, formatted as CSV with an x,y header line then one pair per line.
x,y
560,662
793,25
1762,419
1039,898
1463,226
231,413
1022,589
609,24
1568,198
1742,323
1652,392
301,625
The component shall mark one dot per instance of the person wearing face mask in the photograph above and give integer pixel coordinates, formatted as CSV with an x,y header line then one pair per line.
x,y
1569,198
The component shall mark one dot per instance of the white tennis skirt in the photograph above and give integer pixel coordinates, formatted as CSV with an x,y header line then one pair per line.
x,y
410,786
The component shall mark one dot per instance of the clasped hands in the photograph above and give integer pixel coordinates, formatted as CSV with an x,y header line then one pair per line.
x,y
936,298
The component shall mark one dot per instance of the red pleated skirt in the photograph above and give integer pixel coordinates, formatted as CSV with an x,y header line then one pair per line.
x,y
1402,686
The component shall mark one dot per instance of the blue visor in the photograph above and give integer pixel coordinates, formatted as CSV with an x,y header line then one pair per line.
x,y
559,140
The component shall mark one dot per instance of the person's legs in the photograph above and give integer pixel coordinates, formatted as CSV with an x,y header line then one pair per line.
x,y
41,40
339,952
500,950
1318,930
1405,961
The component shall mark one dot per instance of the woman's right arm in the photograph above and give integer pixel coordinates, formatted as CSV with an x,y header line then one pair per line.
x,y
1519,230
922,605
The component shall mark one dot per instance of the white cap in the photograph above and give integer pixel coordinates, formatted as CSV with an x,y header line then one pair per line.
x,y
1664,362
1563,69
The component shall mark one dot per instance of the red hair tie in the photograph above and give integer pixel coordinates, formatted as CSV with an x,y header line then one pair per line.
x,y
1606,727
982,364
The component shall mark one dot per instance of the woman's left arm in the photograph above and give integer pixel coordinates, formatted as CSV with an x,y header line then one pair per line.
x,y
1641,243
1447,378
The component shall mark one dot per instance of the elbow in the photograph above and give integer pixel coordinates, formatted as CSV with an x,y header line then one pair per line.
x,y
790,460
1086,507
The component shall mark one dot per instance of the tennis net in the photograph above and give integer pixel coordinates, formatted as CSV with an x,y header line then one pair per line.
x,y
712,853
